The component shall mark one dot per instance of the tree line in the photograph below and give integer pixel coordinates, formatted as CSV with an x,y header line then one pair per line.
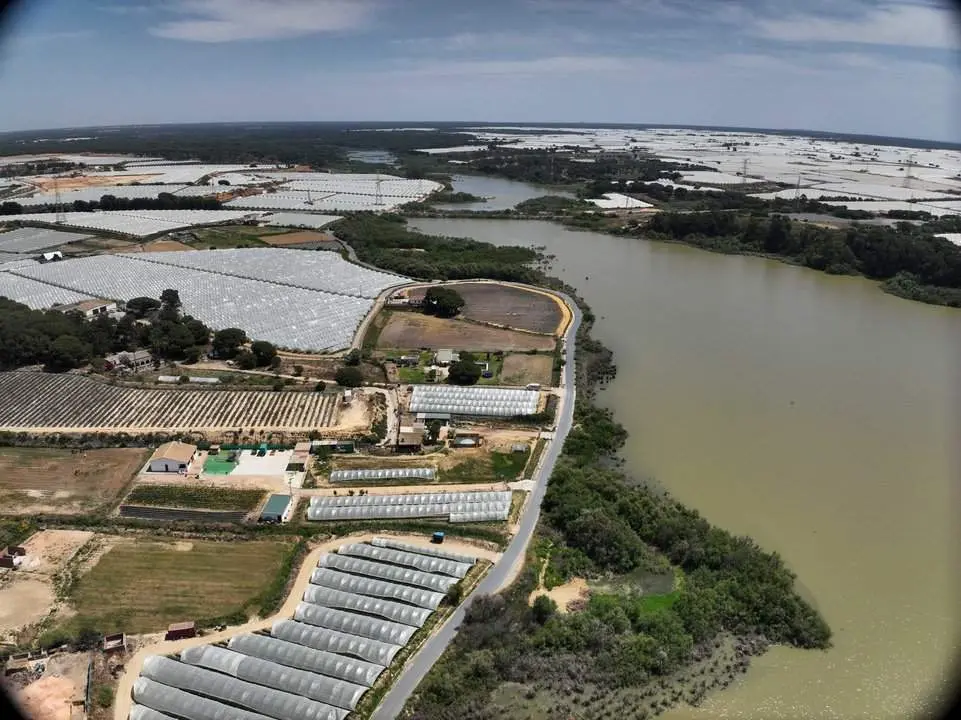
x,y
909,257
61,341
386,241
163,201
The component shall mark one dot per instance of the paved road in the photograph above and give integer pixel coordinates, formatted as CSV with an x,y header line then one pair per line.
x,y
393,702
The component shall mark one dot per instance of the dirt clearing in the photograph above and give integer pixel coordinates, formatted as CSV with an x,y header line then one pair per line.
x,y
164,246
408,331
564,595
48,699
49,480
84,181
23,602
510,306
522,369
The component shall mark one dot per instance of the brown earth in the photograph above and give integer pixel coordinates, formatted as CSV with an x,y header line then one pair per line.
x,y
299,238
164,246
84,181
49,480
508,305
524,369
408,331
48,698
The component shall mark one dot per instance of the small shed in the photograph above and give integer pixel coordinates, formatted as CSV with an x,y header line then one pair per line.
x,y
410,441
181,630
277,509
16,550
114,643
7,562
172,457
519,448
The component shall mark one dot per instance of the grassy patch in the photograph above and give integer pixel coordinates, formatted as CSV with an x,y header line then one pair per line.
x,y
535,457
412,374
185,496
143,586
232,236
377,324
507,466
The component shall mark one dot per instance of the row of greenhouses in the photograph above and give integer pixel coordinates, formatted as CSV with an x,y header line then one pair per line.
x,y
272,310
475,401
399,473
316,666
408,559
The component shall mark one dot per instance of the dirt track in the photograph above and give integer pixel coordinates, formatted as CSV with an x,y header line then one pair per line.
x,y
132,667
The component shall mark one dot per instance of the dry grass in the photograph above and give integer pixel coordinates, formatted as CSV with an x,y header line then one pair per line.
x,y
144,586
509,306
299,238
520,369
408,331
50,480
164,246
76,183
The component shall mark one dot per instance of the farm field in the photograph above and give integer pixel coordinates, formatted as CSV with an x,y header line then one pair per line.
x,y
508,305
408,331
520,369
142,586
186,496
232,236
41,402
50,480
302,237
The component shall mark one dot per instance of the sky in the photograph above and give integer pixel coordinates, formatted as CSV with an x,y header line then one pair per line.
x,y
864,66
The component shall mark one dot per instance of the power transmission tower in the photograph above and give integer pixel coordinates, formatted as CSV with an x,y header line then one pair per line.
x,y
908,176
61,217
797,193
744,173
379,196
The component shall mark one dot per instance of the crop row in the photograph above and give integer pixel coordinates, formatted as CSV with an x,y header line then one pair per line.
x,y
187,496
74,403
172,515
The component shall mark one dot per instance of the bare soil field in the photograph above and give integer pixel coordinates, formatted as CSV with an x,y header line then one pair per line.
x,y
84,181
50,480
48,698
407,331
143,585
23,602
317,366
163,246
507,305
300,238
522,369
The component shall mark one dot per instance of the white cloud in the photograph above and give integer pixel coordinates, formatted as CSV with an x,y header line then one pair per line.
x,y
559,65
894,24
216,21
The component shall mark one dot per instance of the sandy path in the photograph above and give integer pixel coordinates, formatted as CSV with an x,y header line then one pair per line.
x,y
133,666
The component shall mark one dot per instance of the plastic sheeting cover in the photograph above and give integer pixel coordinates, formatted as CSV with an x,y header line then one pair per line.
x,y
408,559
394,611
335,692
407,576
346,582
432,552
142,712
172,701
306,658
274,703
361,648
354,624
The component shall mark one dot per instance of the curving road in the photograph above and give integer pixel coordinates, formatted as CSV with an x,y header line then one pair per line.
x,y
503,572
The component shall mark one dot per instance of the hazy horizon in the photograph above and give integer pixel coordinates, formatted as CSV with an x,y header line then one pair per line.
x,y
873,67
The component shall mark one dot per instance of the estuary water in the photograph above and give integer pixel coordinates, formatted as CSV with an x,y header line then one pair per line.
x,y
814,413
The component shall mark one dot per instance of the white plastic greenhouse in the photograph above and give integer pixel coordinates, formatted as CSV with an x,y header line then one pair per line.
x,y
34,294
432,552
273,703
491,402
292,655
425,473
142,712
177,703
391,573
327,690
393,611
361,648
408,559
354,624
326,577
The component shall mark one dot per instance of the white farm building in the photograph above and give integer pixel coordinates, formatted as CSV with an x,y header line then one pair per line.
x,y
172,457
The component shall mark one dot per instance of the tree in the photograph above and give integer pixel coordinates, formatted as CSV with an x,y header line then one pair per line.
x,y
170,340
246,360
463,372
349,377
140,307
433,430
443,302
192,355
542,609
227,341
320,386
264,352
170,298
199,331
66,353
352,358
298,370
